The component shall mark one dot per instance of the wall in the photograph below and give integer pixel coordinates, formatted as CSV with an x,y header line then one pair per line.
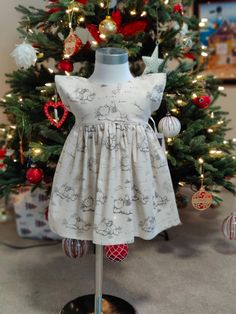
x,y
9,37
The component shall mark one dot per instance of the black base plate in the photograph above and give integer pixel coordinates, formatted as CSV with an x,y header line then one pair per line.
x,y
110,305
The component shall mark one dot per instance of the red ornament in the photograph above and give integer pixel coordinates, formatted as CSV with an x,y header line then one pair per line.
x,y
189,55
3,152
178,8
93,30
117,252
202,199
65,66
55,105
72,44
34,175
202,102
74,248
133,28
82,1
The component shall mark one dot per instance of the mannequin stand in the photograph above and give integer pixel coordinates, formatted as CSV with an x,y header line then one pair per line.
x,y
98,304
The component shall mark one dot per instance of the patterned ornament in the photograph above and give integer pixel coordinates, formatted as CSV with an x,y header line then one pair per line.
x,y
178,8
72,44
25,55
117,252
34,175
202,102
55,105
202,199
229,227
187,44
74,248
169,126
107,26
65,66
152,63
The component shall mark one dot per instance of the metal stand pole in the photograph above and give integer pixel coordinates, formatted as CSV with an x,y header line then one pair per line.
x,y
98,279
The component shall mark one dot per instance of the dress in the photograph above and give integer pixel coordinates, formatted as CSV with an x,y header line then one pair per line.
x,y
112,181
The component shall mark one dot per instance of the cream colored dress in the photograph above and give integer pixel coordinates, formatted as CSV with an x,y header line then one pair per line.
x,y
112,181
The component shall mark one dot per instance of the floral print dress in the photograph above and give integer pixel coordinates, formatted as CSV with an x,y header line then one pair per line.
x,y
112,181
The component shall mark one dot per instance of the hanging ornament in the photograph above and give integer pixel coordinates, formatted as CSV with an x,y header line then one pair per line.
x,y
117,252
107,26
65,66
152,63
202,199
178,8
72,44
3,152
187,44
229,227
74,248
202,102
25,55
170,126
34,175
55,105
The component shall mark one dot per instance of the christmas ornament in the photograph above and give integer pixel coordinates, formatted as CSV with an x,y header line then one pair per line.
x,y
107,26
25,55
187,44
55,105
178,8
229,227
152,63
72,44
34,175
169,126
202,199
75,248
117,252
65,66
3,152
133,28
202,102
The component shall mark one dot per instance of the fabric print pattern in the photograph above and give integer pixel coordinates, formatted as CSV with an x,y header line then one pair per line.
x,y
66,192
108,228
110,184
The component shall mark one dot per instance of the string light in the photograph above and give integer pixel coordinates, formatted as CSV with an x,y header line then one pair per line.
x,y
215,152
233,157
204,54
169,140
194,81
225,142
234,140
181,183
220,122
20,99
199,77
9,95
133,12
81,19
166,2
3,100
144,13
67,73
204,47
200,160
48,84
194,95
212,115
94,43
221,88
210,130
13,127
9,136
102,5
50,70
102,36
37,151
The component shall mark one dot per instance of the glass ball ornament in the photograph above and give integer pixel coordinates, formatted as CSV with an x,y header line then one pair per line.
x,y
169,126
229,227
107,26
34,175
116,252
202,200
74,248
202,102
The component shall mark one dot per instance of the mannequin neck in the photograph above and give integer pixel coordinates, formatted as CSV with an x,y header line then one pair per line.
x,y
111,67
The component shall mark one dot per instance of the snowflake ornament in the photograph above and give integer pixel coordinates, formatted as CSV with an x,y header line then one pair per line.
x,y
25,55
152,63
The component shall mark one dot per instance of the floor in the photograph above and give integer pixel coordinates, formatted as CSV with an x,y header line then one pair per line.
x,y
195,272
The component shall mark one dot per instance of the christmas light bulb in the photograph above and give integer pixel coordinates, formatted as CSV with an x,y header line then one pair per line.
x,y
201,161
144,13
9,95
37,151
50,70
48,84
221,88
204,54
210,130
225,142
133,12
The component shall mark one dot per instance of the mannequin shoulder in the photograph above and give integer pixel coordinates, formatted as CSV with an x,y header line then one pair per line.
x,y
65,81
155,78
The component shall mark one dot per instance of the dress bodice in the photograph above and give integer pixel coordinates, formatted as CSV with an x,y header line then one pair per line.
x,y
128,102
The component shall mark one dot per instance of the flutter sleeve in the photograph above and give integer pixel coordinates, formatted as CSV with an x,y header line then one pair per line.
x,y
156,86
63,86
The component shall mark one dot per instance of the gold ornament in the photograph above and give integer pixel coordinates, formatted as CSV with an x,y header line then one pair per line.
x,y
107,26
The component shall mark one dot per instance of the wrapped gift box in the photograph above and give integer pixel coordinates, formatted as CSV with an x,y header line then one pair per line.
x,y
31,214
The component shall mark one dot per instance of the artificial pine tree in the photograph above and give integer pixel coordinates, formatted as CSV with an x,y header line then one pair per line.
x,y
65,36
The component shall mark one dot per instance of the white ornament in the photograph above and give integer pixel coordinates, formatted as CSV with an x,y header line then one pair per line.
x,y
152,63
25,55
112,4
169,126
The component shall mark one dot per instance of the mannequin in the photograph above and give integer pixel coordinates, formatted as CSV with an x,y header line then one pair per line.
x,y
111,66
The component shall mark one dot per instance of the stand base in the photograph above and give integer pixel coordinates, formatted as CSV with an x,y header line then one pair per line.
x,y
110,305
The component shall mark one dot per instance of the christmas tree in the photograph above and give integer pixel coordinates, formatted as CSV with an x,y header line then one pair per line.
x,y
160,36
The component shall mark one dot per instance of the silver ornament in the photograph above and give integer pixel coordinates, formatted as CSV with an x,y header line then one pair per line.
x,y
169,126
25,55
152,63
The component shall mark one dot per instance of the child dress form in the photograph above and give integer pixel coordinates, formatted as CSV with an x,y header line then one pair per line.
x,y
112,181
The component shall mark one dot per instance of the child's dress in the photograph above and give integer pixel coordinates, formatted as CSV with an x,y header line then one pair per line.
x,y
112,181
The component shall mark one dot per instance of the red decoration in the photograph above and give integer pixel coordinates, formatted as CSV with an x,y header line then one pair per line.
x,y
82,1
72,44
55,105
74,248
93,30
3,152
202,199
117,18
46,214
34,175
133,28
189,55
117,252
202,102
65,65
178,8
